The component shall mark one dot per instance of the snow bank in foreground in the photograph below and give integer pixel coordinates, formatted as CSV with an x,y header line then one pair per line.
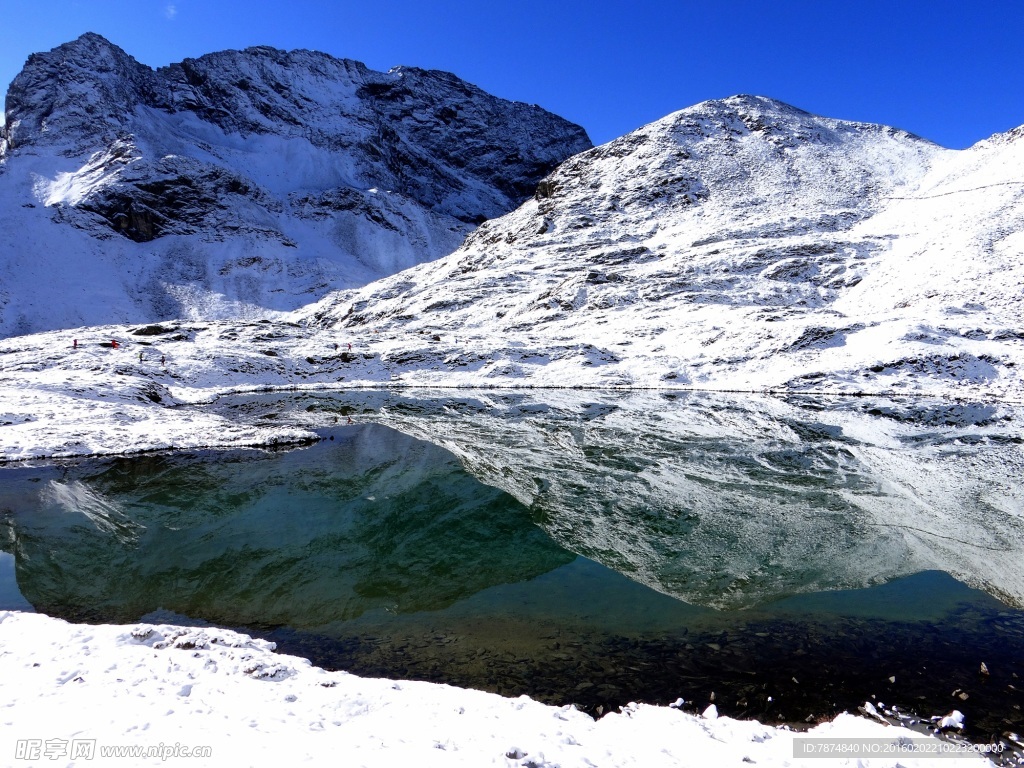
x,y
229,698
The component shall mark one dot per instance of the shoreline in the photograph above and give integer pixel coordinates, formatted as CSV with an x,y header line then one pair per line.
x,y
310,437
142,684
123,413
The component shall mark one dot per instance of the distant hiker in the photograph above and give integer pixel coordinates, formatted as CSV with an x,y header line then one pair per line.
x,y
350,346
74,344
335,346
140,355
162,360
113,344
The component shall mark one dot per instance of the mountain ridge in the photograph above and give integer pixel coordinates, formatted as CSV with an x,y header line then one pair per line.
x,y
271,175
737,245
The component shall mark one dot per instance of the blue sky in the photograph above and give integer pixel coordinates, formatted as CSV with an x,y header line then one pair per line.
x,y
949,71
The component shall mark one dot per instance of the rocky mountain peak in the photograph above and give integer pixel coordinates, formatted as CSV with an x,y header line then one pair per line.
x,y
757,163
425,134
81,90
736,242
775,121
238,171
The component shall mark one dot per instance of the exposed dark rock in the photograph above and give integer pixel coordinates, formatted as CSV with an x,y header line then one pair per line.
x,y
425,134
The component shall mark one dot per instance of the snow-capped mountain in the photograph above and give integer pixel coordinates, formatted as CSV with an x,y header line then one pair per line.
x,y
242,181
737,244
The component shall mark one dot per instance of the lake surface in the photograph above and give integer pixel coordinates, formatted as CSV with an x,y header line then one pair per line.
x,y
785,559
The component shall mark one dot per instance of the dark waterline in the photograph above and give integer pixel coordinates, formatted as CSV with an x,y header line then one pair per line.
x,y
378,553
780,664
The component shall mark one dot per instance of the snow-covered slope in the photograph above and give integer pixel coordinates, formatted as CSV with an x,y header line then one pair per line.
x,y
242,181
738,244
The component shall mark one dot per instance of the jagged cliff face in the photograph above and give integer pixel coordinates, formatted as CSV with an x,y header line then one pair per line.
x,y
247,180
737,244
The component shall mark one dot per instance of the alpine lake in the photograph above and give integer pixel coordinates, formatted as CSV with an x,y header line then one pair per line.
x,y
786,559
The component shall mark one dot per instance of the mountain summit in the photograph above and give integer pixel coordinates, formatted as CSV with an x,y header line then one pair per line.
x,y
244,181
737,244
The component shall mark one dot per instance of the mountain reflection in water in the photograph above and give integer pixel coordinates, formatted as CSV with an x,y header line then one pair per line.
x,y
593,548
371,519
732,502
